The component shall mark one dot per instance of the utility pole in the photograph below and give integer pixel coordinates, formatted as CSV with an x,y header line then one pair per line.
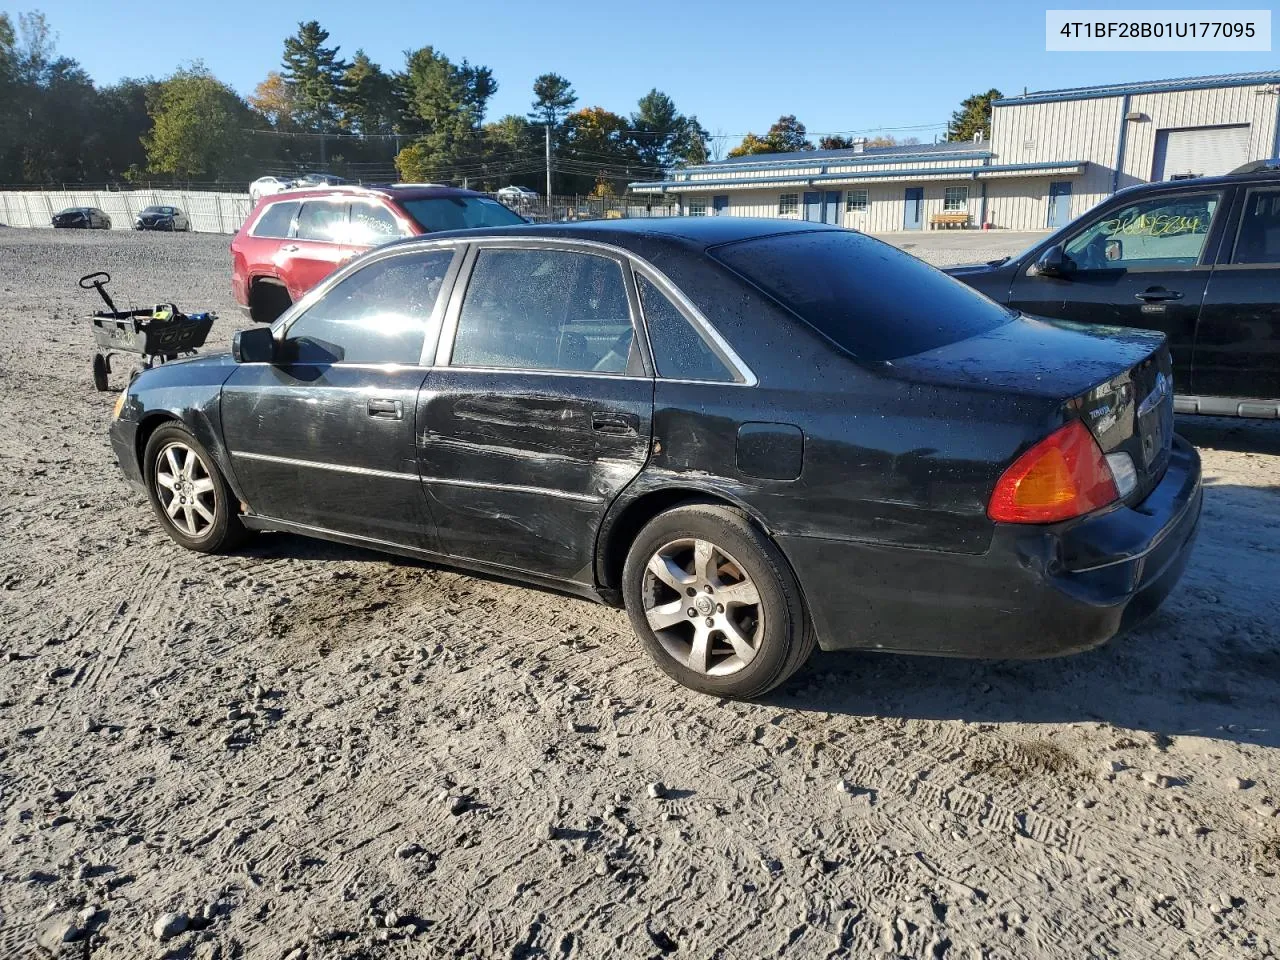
x,y
548,171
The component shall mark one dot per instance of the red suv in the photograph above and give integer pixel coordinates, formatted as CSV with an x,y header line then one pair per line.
x,y
293,240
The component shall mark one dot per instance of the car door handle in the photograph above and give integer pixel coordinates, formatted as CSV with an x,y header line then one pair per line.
x,y
615,424
1157,294
381,409
290,248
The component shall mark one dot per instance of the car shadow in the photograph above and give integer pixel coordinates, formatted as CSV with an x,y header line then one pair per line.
x,y
1207,663
1230,433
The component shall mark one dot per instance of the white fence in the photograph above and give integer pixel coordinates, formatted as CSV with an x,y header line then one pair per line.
x,y
209,212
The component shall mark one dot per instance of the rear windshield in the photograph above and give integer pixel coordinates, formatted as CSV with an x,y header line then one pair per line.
x,y
870,298
459,213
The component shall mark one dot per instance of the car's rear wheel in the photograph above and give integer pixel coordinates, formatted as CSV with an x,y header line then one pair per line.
x,y
189,495
714,602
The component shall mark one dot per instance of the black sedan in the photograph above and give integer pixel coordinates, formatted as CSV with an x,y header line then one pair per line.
x,y
161,218
1197,260
756,435
83,218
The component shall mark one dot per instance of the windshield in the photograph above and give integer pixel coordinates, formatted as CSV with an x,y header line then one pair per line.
x,y
459,213
868,297
154,210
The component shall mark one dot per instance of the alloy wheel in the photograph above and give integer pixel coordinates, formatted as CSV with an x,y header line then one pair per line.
x,y
703,607
184,487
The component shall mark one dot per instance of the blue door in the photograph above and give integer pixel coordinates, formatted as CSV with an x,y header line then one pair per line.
x,y
1059,204
831,209
720,205
813,206
914,214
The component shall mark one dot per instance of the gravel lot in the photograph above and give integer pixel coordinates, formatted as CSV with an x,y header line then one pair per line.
x,y
309,751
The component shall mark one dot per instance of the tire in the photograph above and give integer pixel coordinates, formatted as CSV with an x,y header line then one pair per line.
x,y
100,373
773,635
212,526
267,301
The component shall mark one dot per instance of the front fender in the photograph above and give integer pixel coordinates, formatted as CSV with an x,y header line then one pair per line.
x,y
189,392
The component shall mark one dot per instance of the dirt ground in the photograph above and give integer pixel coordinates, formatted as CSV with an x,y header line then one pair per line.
x,y
310,751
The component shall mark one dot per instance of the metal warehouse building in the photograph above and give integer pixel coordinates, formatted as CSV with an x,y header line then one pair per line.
x,y
1052,156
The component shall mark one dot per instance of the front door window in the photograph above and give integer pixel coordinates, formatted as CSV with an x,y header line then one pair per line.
x,y
1162,232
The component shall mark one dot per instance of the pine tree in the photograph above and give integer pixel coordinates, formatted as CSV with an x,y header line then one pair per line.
x,y
974,116
314,74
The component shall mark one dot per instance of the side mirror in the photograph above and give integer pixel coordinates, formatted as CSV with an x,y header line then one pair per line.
x,y
256,345
1053,263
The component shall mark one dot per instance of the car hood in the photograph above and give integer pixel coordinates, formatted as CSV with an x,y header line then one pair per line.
x,y
203,369
1032,356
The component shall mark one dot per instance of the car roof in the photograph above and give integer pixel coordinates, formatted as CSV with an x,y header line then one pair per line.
x,y
416,191
1268,175
697,233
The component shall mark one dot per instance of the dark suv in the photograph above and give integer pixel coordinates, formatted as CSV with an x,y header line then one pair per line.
x,y
1198,260
293,240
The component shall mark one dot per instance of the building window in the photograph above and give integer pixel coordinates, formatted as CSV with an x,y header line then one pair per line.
x,y
856,201
698,207
788,204
956,198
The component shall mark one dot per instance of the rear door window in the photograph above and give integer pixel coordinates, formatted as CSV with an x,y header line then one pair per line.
x,y
545,310
679,351
1258,239
322,220
276,220
869,298
372,224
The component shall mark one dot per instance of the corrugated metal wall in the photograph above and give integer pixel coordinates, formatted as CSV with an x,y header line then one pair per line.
x,y
208,212
1198,108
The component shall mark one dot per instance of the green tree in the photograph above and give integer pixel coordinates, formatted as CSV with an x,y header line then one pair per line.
x,y
50,123
314,74
370,99
553,98
973,117
750,145
513,152
445,105
200,128
788,135
835,142
596,154
665,137
126,120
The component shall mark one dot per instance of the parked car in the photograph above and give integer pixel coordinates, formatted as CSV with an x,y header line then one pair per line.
x,y
83,218
266,186
756,435
161,218
292,241
518,195
1197,260
317,180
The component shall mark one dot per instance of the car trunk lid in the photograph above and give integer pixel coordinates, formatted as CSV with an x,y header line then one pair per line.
x,y
1118,381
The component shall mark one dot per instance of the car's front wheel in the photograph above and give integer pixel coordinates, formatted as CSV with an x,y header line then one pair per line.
x,y
714,602
189,495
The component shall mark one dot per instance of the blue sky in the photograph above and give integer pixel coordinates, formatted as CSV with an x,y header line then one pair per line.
x,y
839,66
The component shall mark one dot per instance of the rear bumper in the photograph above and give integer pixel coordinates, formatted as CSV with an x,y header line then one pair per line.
x,y
1039,591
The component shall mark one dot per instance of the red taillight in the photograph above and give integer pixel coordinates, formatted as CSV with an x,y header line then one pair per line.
x,y
1063,476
